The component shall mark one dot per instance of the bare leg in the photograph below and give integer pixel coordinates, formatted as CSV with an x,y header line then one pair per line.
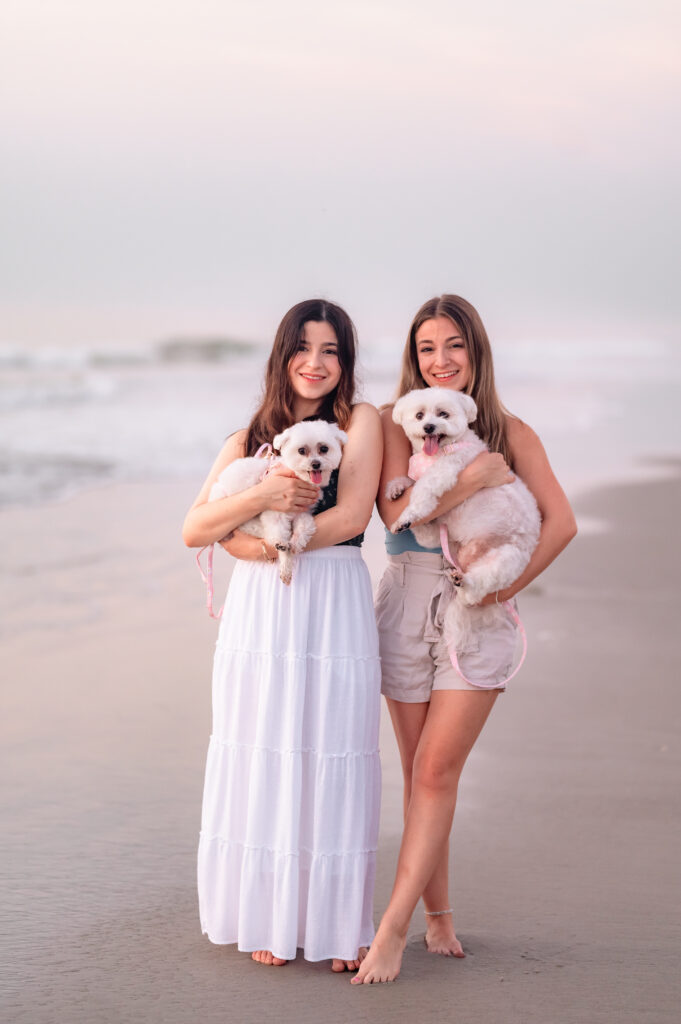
x,y
453,723
408,721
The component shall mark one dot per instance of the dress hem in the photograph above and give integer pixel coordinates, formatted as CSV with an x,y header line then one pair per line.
x,y
299,949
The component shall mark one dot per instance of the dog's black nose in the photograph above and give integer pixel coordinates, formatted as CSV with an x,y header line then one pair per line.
x,y
316,464
429,428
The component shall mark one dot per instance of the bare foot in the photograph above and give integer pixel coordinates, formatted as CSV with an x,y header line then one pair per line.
x,y
441,937
383,961
263,956
349,965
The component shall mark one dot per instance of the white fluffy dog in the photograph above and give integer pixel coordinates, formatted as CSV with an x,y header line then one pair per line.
x,y
496,529
312,449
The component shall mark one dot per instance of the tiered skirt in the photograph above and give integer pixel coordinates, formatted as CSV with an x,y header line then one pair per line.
x,y
292,791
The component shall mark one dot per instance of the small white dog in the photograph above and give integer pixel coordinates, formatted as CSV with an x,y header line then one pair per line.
x,y
312,449
497,528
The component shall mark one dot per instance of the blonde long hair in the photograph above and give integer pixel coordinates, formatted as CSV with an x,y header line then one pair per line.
x,y
491,422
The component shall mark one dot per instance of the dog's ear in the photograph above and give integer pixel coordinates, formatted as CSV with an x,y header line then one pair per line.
x,y
469,406
280,439
339,434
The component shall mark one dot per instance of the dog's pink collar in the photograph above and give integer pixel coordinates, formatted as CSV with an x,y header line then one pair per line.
x,y
449,449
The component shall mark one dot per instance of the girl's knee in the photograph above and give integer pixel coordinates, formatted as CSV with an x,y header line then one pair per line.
x,y
437,774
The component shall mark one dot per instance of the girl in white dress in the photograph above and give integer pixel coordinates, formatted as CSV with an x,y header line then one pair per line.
x,y
292,789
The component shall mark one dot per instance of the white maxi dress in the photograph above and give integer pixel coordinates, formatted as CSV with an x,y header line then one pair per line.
x,y
292,791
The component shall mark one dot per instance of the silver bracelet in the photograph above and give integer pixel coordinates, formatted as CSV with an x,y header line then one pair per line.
x,y
437,913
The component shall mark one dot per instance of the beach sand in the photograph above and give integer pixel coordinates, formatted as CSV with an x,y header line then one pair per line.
x,y
567,831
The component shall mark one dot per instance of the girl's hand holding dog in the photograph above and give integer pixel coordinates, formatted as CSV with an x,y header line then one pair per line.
x,y
488,469
283,491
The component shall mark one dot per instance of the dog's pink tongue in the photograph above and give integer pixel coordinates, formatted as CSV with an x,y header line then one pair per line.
x,y
316,476
430,444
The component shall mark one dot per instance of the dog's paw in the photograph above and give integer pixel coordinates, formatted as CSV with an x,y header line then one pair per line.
x,y
282,547
285,568
455,576
400,527
298,544
304,530
396,488
469,595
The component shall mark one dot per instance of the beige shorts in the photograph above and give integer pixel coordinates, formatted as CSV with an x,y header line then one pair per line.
x,y
410,603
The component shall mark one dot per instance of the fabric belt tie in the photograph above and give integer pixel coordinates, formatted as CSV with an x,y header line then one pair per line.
x,y
442,594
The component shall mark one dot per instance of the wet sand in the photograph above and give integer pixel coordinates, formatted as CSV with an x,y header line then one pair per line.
x,y
567,837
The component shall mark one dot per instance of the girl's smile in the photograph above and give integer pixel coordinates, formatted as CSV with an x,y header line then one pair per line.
x,y
441,352
314,371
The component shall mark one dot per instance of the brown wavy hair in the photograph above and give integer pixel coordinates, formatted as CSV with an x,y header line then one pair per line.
x,y
491,422
276,407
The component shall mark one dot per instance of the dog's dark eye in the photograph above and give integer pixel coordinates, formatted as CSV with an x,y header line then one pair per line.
x,y
302,451
443,415
323,449
419,416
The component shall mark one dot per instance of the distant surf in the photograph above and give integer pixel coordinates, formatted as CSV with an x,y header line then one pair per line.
x,y
76,418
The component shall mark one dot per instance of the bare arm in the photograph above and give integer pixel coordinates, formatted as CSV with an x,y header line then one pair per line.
x,y
558,522
357,483
209,521
487,470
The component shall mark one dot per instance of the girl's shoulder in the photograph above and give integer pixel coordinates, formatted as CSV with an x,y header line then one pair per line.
x,y
364,413
522,439
385,414
235,445
517,431
238,436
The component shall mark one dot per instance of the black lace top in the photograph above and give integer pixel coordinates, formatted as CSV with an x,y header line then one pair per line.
x,y
328,500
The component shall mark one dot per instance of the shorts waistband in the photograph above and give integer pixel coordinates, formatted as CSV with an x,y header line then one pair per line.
x,y
425,560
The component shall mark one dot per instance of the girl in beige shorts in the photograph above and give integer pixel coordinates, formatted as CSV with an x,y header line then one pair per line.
x,y
436,714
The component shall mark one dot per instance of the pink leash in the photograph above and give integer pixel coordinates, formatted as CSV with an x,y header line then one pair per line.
x,y
207,578
264,451
444,541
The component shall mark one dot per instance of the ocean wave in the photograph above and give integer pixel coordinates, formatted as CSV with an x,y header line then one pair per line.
x,y
185,349
19,390
201,350
27,478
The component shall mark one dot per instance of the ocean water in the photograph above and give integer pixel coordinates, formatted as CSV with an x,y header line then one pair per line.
x,y
73,419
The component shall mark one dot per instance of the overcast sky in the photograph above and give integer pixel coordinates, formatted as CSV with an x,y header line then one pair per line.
x,y
178,167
